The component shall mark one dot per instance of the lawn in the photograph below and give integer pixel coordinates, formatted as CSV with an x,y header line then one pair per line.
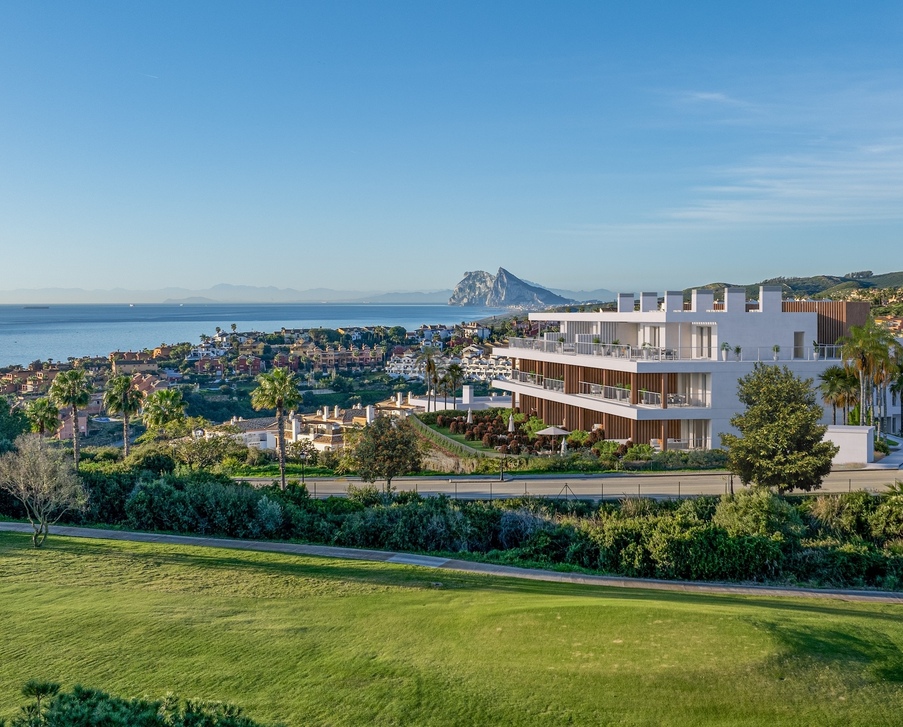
x,y
329,642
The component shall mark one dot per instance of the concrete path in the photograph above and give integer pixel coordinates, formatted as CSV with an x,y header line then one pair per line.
x,y
893,461
428,561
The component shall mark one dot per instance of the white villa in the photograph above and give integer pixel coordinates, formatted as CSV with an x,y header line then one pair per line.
x,y
664,372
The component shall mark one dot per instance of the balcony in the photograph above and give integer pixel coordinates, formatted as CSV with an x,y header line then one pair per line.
x,y
621,395
686,353
537,380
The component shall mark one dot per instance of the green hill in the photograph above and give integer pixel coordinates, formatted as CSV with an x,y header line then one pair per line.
x,y
813,286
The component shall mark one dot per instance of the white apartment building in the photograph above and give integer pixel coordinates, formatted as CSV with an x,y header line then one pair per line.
x,y
665,372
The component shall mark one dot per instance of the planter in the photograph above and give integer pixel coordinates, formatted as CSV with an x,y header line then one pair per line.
x,y
724,355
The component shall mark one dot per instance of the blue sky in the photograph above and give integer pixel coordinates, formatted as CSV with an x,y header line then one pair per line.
x,y
396,145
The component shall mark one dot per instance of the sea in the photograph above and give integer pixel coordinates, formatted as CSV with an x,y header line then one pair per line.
x,y
58,332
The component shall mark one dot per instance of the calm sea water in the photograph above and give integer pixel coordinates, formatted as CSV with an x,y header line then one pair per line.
x,y
61,331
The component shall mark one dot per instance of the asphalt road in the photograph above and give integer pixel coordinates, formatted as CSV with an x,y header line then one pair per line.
x,y
659,485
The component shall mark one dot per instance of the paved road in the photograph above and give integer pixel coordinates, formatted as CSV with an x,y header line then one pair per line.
x,y
426,561
593,486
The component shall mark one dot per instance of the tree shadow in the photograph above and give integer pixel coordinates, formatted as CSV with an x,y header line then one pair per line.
x,y
879,657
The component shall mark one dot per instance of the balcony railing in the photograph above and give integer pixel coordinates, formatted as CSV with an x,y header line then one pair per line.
x,y
685,353
609,393
621,395
531,379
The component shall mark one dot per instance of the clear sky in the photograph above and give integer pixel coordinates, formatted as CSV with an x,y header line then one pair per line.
x,y
396,145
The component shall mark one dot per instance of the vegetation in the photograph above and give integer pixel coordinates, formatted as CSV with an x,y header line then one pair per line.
x,y
43,416
277,390
837,540
162,409
122,398
71,388
310,641
780,443
488,435
13,422
90,708
37,476
386,448
874,354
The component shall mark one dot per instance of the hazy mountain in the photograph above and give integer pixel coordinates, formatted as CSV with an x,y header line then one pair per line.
x,y
504,290
222,293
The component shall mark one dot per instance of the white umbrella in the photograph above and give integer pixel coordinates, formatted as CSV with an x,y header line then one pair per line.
x,y
511,424
564,445
553,432
470,416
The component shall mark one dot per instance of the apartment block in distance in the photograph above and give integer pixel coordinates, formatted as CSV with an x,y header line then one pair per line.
x,y
663,371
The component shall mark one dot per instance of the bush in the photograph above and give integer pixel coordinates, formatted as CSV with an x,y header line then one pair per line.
x,y
758,512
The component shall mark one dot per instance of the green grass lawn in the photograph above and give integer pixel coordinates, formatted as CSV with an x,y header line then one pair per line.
x,y
328,642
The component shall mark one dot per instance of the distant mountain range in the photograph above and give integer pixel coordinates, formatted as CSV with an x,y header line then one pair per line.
x,y
222,293
477,288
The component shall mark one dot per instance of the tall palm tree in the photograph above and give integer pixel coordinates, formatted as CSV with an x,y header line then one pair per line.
x,y
122,398
831,387
43,415
277,390
849,392
455,375
868,350
71,388
163,407
427,360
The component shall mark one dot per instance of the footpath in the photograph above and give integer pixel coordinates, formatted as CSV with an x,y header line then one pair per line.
x,y
428,561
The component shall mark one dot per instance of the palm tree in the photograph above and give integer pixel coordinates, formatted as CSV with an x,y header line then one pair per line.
x,y
868,350
427,359
277,390
831,387
163,407
121,397
43,415
71,388
455,375
849,392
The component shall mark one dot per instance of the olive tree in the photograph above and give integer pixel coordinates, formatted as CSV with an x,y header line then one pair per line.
x,y
386,448
781,441
43,480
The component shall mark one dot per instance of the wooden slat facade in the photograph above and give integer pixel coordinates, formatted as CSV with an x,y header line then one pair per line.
x,y
835,317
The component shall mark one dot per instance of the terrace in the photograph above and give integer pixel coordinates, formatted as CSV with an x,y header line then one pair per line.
x,y
647,352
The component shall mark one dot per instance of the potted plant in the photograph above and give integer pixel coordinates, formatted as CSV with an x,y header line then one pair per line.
x,y
725,347
775,350
738,351
816,350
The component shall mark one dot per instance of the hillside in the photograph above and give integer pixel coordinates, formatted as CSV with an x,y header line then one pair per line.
x,y
816,286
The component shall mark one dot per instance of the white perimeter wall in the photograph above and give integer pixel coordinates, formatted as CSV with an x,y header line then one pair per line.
x,y
857,444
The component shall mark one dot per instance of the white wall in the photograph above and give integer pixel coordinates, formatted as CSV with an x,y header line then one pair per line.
x,y
857,444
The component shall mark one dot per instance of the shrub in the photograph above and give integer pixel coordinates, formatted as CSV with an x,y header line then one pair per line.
x,y
758,512
842,515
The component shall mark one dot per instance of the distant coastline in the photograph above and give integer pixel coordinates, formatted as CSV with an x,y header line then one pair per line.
x,y
29,333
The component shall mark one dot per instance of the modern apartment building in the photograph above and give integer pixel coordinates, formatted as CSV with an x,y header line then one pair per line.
x,y
662,371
